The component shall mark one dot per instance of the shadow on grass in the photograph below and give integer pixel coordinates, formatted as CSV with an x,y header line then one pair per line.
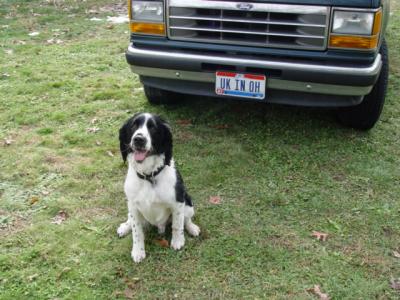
x,y
290,124
203,110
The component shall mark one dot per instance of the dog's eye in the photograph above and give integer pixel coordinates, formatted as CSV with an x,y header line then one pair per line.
x,y
150,126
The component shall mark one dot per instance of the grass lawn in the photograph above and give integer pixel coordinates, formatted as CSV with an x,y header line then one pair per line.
x,y
281,173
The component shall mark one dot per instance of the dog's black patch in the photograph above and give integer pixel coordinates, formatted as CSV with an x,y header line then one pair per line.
x,y
161,137
180,191
126,132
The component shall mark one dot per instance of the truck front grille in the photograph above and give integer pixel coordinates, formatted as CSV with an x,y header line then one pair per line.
x,y
244,23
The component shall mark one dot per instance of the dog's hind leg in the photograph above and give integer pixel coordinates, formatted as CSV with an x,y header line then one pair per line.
x,y
124,228
190,227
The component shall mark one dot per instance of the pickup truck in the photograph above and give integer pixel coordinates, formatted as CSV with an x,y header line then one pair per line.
x,y
321,53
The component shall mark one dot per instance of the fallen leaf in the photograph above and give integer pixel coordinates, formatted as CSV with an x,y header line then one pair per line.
x,y
162,243
33,200
110,26
9,51
54,41
184,122
316,290
35,33
93,129
45,193
131,282
109,153
94,120
396,254
33,277
215,199
8,141
98,143
395,283
320,236
61,216
65,270
221,126
92,11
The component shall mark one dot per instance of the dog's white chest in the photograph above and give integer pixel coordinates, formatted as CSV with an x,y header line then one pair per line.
x,y
152,201
155,213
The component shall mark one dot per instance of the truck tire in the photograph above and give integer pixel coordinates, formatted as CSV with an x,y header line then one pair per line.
x,y
156,96
367,113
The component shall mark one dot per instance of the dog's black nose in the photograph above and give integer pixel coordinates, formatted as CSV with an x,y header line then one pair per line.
x,y
139,141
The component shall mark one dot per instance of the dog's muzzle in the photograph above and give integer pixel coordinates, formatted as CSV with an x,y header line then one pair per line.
x,y
139,142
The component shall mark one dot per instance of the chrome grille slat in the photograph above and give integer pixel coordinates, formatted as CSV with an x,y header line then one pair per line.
x,y
246,21
265,25
247,32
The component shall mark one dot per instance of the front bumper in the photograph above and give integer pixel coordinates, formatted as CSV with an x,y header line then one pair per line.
x,y
289,81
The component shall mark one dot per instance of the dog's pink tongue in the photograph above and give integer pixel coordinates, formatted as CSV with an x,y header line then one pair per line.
x,y
140,155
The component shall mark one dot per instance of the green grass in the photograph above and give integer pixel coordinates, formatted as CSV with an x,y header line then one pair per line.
x,y
281,172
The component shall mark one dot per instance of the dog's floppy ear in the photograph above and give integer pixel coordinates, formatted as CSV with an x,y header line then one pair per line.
x,y
168,144
166,140
125,136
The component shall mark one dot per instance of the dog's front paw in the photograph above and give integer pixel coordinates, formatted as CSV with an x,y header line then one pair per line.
x,y
178,242
138,255
193,229
124,229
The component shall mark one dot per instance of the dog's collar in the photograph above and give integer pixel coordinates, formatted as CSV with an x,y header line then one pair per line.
x,y
151,177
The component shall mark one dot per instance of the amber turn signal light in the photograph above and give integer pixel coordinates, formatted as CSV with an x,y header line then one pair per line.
x,y
377,23
359,41
353,42
148,28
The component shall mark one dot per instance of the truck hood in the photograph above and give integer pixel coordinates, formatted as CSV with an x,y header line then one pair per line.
x,y
344,3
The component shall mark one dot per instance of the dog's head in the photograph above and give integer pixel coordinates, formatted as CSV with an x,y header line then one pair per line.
x,y
144,135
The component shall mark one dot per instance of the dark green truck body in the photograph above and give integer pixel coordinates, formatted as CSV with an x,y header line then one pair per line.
x,y
294,54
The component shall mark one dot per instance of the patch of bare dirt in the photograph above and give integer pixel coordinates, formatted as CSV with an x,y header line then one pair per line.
x,y
12,222
289,241
91,213
57,163
117,8
362,256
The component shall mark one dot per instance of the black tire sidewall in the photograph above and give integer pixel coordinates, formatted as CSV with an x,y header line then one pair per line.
x,y
365,115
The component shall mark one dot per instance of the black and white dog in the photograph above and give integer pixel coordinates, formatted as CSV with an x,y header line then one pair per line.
x,y
153,186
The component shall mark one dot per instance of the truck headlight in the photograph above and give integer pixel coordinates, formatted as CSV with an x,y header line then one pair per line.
x,y
352,22
355,29
147,17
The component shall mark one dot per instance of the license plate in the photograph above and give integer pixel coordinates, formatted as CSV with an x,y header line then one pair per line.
x,y
240,85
